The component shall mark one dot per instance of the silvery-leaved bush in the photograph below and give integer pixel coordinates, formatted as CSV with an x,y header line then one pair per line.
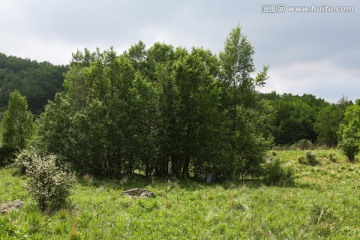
x,y
49,185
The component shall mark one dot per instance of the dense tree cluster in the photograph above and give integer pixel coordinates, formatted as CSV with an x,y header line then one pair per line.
x,y
162,110
37,81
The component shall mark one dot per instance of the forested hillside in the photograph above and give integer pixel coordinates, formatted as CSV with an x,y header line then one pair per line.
x,y
37,81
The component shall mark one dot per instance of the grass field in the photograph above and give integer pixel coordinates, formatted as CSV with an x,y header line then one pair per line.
x,y
323,204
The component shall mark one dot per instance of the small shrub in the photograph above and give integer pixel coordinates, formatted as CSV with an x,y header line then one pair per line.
x,y
23,160
275,174
350,148
308,159
333,157
47,184
311,158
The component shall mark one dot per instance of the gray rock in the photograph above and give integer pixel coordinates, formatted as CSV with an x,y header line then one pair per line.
x,y
139,193
5,208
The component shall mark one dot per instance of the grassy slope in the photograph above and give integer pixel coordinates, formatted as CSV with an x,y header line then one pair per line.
x,y
324,204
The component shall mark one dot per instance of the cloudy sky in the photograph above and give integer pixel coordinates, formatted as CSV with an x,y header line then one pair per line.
x,y
308,52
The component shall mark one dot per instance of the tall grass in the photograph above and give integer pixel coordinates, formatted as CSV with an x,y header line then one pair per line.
x,y
323,204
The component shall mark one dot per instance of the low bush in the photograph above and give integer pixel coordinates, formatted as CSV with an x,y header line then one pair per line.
x,y
350,148
308,159
275,174
47,183
311,158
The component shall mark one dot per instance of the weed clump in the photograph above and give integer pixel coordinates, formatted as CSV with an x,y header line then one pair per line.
x,y
47,183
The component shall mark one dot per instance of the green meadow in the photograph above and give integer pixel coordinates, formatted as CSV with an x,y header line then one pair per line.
x,y
323,203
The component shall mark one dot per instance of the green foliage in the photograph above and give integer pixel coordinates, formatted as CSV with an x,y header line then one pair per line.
x,y
327,123
7,155
294,117
350,148
160,111
37,81
303,160
333,157
17,122
311,158
275,174
303,144
49,185
308,159
349,131
1,132
324,218
241,104
24,160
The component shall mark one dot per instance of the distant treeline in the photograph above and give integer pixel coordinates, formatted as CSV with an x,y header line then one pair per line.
x,y
37,81
295,118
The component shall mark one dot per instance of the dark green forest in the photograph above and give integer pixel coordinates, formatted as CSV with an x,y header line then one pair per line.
x,y
164,111
37,81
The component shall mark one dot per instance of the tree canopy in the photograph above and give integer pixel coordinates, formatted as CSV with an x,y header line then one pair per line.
x,y
161,110
17,122
349,131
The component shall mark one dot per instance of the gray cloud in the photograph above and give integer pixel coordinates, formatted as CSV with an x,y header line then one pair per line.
x,y
308,52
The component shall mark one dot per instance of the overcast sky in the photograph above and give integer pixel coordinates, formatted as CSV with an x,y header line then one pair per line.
x,y
308,52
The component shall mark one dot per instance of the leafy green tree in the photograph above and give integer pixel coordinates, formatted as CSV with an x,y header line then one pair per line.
x,y
194,77
91,124
327,124
53,133
17,122
349,131
240,102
